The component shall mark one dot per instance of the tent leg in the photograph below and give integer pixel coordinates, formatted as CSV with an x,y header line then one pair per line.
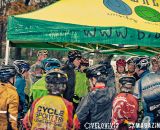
x,y
7,52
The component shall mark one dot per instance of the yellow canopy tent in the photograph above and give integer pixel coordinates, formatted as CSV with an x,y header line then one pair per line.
x,y
88,24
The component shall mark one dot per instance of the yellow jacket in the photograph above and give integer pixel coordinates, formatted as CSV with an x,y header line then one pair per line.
x,y
9,102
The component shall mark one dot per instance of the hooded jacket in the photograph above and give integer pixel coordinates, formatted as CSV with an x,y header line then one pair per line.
x,y
96,107
9,102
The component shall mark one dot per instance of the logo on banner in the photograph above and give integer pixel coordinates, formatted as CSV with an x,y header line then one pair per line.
x,y
144,12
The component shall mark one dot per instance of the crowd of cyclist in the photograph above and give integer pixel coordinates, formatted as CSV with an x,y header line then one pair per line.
x,y
72,95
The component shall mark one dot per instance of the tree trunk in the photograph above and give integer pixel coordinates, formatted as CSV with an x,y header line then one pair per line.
x,y
1,37
18,54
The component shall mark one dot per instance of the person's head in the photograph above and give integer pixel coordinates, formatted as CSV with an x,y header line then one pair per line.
x,y
42,54
56,82
155,65
142,64
127,83
121,64
131,65
7,74
74,57
97,74
50,64
22,67
84,64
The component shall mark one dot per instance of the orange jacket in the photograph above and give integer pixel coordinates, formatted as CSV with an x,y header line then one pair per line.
x,y
9,102
48,113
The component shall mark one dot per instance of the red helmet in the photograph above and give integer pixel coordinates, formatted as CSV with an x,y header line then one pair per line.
x,y
121,62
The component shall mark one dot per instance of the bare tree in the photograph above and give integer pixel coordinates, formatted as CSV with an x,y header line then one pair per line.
x,y
12,7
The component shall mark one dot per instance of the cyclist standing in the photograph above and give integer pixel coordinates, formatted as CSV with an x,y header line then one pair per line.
x,y
9,99
125,105
97,105
74,60
39,88
147,90
22,68
51,112
121,70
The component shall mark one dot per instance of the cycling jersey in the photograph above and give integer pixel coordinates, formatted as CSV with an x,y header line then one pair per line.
x,y
49,113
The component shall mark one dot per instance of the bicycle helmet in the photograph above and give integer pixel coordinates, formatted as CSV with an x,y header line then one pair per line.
x,y
42,52
50,63
131,60
127,83
98,71
142,63
56,77
7,72
127,80
56,82
72,55
21,66
154,60
84,62
158,57
121,62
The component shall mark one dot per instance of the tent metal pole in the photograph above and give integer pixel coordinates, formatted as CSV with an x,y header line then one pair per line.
x,y
7,52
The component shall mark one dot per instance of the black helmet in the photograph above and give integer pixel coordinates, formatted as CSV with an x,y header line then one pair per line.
x,y
56,77
21,66
127,80
127,83
98,71
7,72
56,82
84,62
72,55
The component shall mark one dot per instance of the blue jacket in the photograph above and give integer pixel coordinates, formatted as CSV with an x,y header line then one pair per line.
x,y
20,85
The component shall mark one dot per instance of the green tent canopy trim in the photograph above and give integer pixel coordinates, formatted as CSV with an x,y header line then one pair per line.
x,y
30,30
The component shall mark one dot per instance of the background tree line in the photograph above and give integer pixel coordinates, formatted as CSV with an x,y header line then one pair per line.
x,y
13,7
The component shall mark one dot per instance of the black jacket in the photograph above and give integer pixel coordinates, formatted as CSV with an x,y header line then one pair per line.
x,y
96,107
69,70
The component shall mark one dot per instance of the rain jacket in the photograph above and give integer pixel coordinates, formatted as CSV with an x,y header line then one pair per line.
x,y
49,113
125,108
9,102
95,107
39,89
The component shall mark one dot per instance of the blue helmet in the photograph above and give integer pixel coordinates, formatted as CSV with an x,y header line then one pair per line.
x,y
21,66
142,63
50,63
7,72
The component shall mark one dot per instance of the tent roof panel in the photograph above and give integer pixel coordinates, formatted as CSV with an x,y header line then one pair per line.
x,y
102,13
